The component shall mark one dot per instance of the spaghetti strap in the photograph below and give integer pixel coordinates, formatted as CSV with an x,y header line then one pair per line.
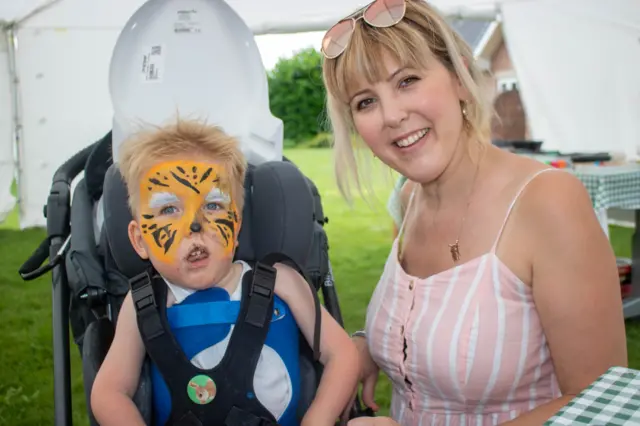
x,y
513,202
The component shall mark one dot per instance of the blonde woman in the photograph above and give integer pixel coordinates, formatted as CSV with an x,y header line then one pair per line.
x,y
499,300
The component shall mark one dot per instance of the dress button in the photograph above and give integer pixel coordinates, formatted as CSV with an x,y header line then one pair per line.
x,y
402,329
411,285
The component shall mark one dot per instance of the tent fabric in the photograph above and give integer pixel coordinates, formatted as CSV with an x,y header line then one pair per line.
x,y
575,62
273,16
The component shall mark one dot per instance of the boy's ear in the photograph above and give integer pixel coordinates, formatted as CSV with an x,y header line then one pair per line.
x,y
135,236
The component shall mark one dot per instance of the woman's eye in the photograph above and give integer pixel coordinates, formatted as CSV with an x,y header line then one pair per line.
x,y
168,210
364,103
408,81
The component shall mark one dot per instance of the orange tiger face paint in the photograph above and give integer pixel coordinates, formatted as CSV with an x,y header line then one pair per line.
x,y
179,198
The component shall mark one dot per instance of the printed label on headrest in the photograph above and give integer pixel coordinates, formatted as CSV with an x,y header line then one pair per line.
x,y
153,64
187,22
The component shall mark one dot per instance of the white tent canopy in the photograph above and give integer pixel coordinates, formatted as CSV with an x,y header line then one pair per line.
x,y
576,62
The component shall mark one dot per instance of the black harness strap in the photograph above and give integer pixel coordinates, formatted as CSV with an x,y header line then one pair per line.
x,y
223,395
272,259
230,400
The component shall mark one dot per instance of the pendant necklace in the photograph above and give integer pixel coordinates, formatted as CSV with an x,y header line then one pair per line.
x,y
455,247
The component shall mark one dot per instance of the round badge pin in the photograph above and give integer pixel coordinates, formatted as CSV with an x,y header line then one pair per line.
x,y
201,389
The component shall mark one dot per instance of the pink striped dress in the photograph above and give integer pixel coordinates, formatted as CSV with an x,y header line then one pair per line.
x,y
461,347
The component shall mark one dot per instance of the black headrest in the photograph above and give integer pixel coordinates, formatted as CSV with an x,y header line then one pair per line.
x,y
278,216
97,165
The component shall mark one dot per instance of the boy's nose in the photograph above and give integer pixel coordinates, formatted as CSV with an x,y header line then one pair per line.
x,y
195,227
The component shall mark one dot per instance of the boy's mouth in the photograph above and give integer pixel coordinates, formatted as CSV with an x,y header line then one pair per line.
x,y
196,253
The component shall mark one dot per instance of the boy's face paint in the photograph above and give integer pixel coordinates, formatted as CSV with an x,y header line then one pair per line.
x,y
174,195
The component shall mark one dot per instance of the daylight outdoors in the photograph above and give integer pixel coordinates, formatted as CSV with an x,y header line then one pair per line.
x,y
359,236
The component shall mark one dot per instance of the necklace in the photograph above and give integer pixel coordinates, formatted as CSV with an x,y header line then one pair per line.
x,y
455,247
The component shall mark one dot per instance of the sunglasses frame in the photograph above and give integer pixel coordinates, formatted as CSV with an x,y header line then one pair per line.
x,y
354,18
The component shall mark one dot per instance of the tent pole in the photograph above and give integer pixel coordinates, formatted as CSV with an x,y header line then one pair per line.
x,y
14,80
35,11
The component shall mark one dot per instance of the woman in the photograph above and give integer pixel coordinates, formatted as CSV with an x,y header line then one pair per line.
x,y
500,300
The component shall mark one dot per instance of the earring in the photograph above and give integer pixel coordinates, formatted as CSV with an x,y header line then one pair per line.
x,y
464,109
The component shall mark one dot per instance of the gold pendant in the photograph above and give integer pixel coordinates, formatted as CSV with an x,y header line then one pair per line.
x,y
455,251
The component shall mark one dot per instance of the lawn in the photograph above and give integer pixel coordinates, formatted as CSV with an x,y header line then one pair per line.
x,y
26,384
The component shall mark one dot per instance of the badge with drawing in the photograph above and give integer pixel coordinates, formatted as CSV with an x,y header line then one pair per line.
x,y
201,389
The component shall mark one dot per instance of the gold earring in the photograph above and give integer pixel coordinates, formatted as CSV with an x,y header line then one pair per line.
x,y
464,109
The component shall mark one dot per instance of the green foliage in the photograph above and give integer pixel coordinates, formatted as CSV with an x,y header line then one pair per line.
x,y
297,95
321,140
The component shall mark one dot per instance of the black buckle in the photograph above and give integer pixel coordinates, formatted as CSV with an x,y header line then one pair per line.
x,y
145,304
260,295
263,280
142,292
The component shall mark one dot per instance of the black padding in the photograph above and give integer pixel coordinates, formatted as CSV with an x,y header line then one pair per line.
x,y
97,165
309,381
83,264
98,337
282,217
245,249
116,223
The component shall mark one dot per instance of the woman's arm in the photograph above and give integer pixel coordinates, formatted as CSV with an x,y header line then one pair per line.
x,y
575,286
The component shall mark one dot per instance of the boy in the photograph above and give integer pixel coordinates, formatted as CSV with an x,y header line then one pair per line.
x,y
185,184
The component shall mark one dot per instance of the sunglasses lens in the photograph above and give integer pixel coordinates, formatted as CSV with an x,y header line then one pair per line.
x,y
385,13
337,38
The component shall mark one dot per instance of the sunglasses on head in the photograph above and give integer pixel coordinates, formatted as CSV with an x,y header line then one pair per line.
x,y
378,13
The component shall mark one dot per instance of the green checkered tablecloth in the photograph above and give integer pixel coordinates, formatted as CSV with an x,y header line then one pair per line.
x,y
612,186
613,399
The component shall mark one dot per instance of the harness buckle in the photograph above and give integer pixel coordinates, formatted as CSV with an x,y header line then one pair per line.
x,y
144,302
261,295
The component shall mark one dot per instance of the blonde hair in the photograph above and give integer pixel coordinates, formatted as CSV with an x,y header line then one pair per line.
x,y
141,151
421,30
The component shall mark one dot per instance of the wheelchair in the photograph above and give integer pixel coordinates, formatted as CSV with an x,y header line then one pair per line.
x,y
91,260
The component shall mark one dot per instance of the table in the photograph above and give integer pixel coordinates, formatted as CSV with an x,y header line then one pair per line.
x,y
612,186
613,399
617,187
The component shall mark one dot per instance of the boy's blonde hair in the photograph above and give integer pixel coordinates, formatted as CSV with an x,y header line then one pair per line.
x,y
422,34
140,152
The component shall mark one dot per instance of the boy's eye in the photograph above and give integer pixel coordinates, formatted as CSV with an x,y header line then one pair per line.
x,y
213,206
168,210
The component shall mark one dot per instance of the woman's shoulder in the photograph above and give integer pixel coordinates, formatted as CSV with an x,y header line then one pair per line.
x,y
549,197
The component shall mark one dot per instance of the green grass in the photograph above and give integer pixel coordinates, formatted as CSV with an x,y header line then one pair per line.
x,y
26,363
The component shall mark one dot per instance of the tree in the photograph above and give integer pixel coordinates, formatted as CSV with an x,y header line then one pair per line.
x,y
297,95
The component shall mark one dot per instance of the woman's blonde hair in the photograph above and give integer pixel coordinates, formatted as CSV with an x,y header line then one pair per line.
x,y
422,30
140,152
